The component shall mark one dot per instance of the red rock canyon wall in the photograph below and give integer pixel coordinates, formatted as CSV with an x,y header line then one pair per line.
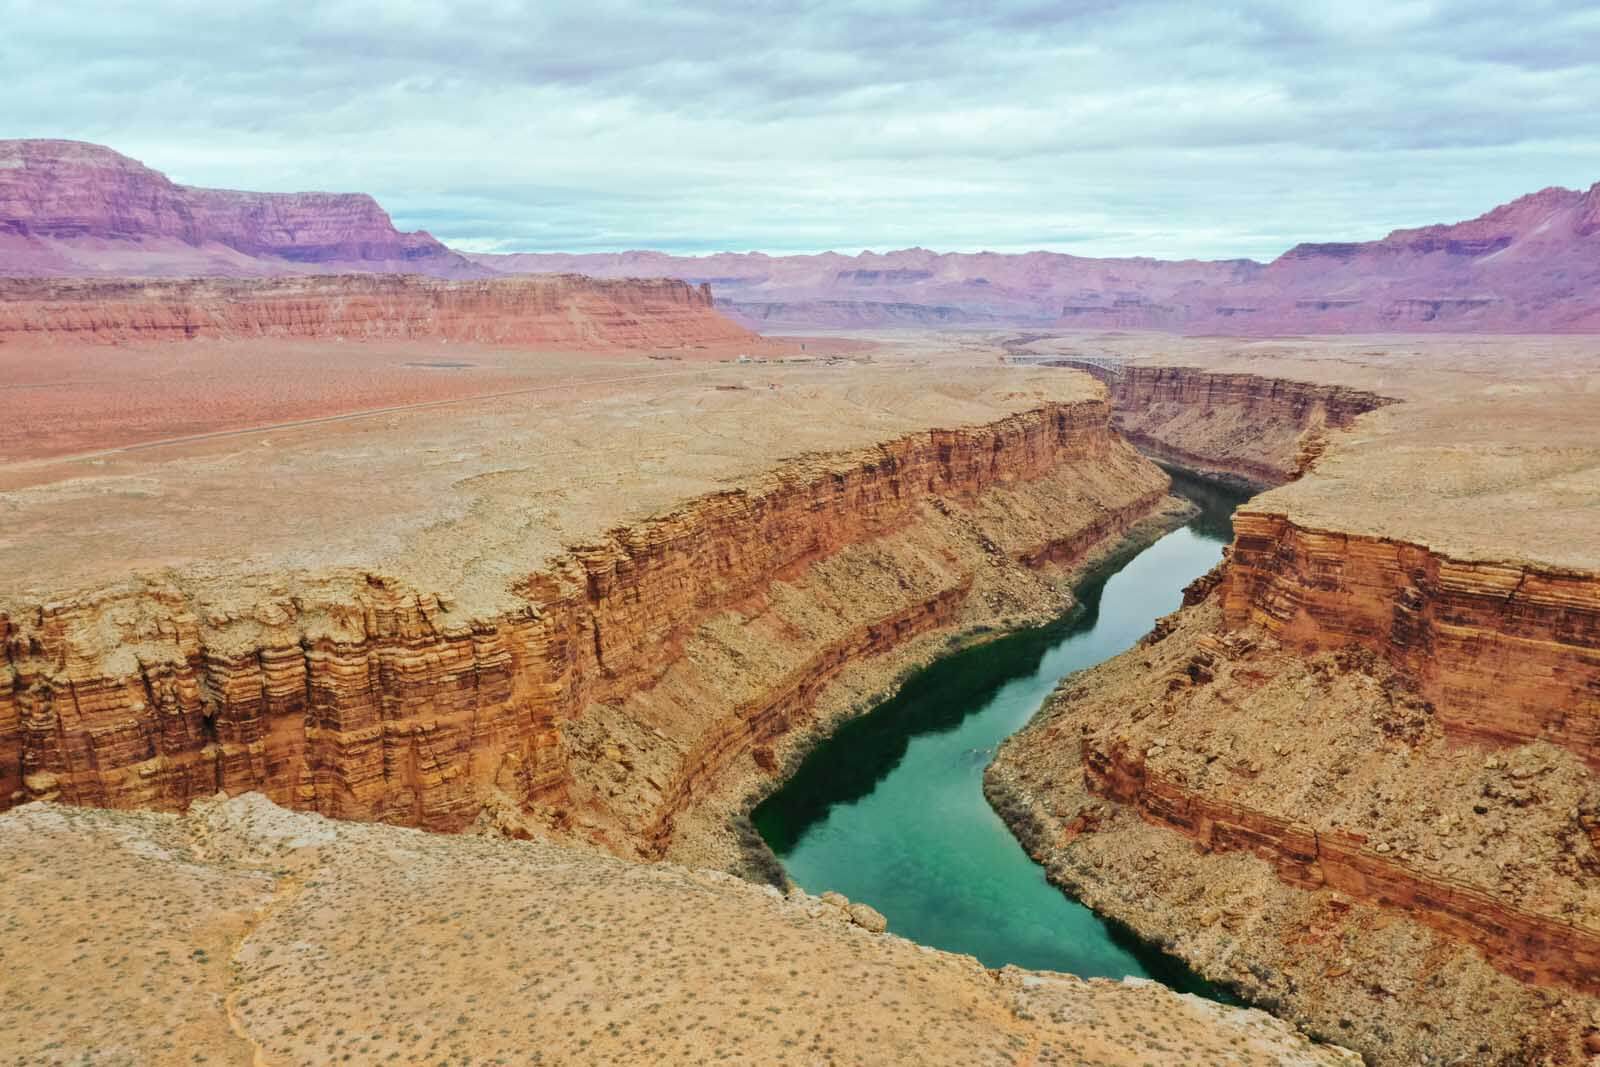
x,y
356,696
67,207
1246,429
1506,652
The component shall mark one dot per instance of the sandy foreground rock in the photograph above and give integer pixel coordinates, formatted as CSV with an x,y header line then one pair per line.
x,y
242,933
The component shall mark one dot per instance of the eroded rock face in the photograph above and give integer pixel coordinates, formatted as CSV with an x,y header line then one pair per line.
x,y
566,310
1355,776
357,696
1243,429
62,203
1388,751
70,208
1301,825
908,287
1531,946
1507,653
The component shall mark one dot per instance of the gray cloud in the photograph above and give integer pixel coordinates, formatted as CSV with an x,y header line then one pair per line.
x,y
1142,127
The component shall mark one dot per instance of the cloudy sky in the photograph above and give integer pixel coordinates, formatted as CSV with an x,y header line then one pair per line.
x,y
1118,128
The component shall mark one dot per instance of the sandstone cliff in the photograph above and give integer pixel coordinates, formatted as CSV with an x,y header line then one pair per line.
x,y
1355,776
1533,947
70,208
1302,824
1507,653
632,670
67,207
1244,429
561,310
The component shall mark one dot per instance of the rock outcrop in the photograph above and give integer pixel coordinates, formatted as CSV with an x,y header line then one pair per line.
x,y
664,651
1529,945
1355,776
1507,653
911,287
241,933
67,207
1302,825
1246,430
565,310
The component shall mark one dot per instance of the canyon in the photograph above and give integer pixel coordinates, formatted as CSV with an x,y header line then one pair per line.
x,y
570,629
1243,430
450,680
330,519
1375,720
610,612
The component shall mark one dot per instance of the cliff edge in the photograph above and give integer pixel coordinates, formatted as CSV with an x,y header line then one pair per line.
x,y
1355,777
242,933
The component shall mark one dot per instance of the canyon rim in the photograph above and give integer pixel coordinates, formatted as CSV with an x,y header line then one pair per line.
x,y
445,624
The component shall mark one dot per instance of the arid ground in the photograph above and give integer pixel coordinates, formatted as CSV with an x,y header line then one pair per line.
x,y
605,600
70,399
432,491
244,934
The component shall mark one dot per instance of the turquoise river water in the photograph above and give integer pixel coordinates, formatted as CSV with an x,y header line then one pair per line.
x,y
890,809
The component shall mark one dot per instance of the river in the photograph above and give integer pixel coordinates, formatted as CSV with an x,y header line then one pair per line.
x,y
890,809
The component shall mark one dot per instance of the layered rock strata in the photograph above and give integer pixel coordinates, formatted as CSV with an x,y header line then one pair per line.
x,y
1526,266
70,208
563,310
1505,652
702,817
1354,777
1398,877
1243,429
67,207
1533,947
632,668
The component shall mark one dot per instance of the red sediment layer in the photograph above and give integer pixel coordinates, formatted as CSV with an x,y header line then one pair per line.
x,y
1506,652
1532,947
567,310
1154,408
1070,549
356,696
765,720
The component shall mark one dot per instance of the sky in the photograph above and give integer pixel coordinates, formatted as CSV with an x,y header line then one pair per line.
x,y
1168,129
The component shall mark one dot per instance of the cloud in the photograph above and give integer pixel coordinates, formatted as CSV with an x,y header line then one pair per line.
x,y
1141,127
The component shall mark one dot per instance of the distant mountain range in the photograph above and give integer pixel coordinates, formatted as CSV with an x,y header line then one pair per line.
x,y
1533,265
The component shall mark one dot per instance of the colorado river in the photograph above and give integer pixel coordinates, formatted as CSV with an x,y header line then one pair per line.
x,y
890,810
